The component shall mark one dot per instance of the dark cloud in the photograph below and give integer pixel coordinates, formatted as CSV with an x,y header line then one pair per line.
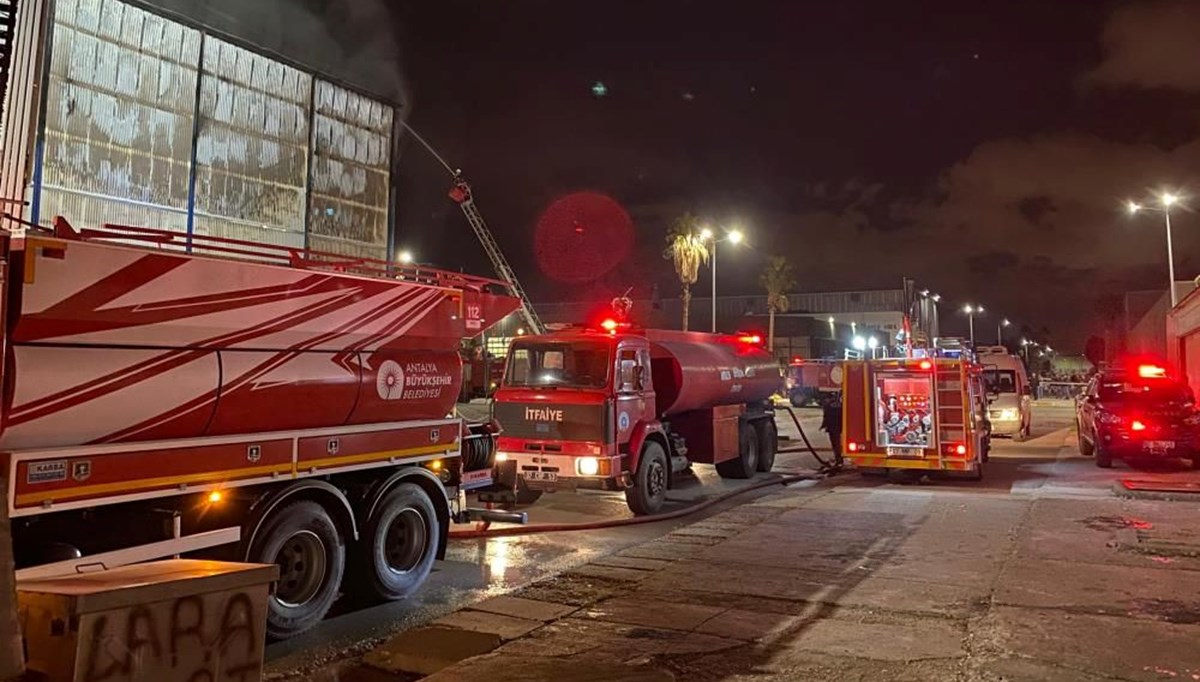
x,y
1151,44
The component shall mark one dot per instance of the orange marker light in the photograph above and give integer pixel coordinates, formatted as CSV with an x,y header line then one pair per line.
x,y
925,364
436,465
215,497
1136,425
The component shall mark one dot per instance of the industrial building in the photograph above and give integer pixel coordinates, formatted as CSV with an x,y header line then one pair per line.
x,y
245,120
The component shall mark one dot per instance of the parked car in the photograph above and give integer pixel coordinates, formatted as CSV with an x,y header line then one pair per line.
x,y
1138,412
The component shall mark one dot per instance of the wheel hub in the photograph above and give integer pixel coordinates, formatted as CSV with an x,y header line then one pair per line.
x,y
301,561
656,479
406,539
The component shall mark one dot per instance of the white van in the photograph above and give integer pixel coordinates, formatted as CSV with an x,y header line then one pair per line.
x,y
1009,393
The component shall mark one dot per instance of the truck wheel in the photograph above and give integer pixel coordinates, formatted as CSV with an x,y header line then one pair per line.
x,y
399,544
768,443
744,465
303,540
649,489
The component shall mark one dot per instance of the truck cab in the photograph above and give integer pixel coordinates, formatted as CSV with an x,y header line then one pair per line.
x,y
622,409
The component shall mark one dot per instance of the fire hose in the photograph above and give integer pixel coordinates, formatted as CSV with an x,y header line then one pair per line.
x,y
637,520
826,467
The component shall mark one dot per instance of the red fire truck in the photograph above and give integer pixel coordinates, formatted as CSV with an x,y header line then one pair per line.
x,y
808,380
620,408
260,403
924,413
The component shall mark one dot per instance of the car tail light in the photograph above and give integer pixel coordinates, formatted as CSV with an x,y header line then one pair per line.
x,y
852,446
956,449
1137,425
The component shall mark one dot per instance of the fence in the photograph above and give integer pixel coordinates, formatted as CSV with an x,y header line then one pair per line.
x,y
1059,390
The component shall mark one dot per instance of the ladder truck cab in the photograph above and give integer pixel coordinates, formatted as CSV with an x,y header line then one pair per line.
x,y
621,408
167,393
926,413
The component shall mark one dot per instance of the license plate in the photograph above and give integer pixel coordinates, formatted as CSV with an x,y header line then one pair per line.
x,y
541,476
1159,445
906,452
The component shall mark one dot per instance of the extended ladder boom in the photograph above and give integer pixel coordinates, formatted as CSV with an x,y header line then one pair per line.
x,y
461,194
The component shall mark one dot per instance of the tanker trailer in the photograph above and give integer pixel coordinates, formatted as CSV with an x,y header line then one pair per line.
x,y
618,408
249,402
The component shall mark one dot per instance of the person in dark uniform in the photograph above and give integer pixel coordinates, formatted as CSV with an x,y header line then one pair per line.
x,y
831,423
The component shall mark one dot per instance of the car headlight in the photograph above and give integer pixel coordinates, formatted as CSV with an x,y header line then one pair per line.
x,y
587,466
1008,414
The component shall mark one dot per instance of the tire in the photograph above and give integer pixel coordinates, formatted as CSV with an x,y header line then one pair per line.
x,y
797,400
303,540
745,464
525,494
768,443
399,543
1086,448
1103,458
977,474
649,489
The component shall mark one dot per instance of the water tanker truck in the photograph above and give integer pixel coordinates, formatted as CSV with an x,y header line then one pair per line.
x,y
168,393
620,408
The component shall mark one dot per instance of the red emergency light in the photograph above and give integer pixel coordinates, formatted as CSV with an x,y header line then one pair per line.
x,y
1137,425
610,325
1152,372
753,339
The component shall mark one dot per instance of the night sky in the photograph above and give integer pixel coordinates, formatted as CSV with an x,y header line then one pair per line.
x,y
984,149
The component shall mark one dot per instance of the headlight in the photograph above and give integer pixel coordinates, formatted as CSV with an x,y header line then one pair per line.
x,y
501,457
1008,414
587,466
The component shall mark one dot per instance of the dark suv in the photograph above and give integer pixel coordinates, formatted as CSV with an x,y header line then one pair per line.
x,y
1138,412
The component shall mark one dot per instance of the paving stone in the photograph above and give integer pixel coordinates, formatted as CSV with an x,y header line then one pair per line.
x,y
911,639
507,627
428,650
651,613
529,609
666,551
706,532
610,572
746,625
1112,646
636,563
574,637
691,539
500,667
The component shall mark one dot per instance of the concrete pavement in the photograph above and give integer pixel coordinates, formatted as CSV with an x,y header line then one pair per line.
x,y
1041,573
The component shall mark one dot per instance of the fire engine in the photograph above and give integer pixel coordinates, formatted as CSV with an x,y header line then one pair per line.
x,y
927,413
616,407
166,393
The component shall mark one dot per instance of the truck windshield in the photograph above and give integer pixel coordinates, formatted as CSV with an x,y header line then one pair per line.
x,y
558,364
1000,380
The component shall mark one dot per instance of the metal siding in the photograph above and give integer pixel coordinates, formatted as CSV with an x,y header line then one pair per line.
x,y
351,158
251,150
118,116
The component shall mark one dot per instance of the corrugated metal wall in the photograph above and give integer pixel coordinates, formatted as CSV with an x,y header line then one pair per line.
x,y
351,158
118,124
153,123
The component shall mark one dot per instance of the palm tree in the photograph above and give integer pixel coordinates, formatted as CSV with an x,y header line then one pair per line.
x,y
777,280
687,252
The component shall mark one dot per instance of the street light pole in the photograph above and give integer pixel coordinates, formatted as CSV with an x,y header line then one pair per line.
x,y
970,310
1000,331
714,286
1168,200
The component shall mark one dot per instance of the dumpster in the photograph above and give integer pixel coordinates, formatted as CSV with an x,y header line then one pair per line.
x,y
166,621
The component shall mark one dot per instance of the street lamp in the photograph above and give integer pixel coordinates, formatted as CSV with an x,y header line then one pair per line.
x,y
734,237
405,257
1000,331
859,343
972,311
1167,200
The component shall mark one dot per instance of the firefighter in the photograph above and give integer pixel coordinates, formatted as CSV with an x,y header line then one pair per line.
x,y
831,423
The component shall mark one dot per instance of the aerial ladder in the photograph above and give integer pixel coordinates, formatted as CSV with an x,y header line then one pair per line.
x,y
461,193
